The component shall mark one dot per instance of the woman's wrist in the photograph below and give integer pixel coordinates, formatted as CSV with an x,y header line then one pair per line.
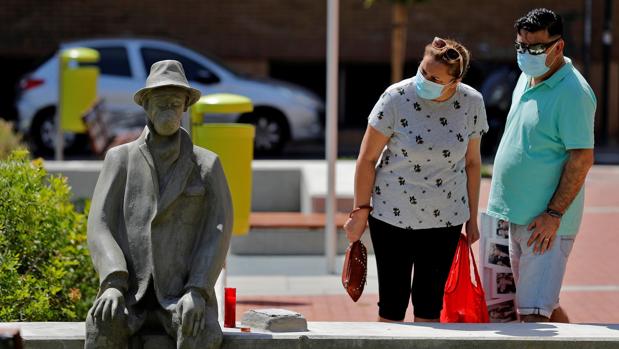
x,y
366,209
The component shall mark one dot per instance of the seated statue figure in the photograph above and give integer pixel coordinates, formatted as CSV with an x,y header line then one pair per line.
x,y
159,228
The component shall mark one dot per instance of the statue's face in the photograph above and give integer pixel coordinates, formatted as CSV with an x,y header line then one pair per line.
x,y
165,107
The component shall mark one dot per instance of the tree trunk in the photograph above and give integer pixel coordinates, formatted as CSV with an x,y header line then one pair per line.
x,y
398,41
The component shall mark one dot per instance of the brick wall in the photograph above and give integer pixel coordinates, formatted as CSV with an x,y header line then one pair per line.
x,y
279,29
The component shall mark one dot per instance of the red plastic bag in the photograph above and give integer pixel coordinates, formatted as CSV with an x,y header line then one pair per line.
x,y
463,300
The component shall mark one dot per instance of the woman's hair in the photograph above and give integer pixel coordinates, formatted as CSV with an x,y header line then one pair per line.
x,y
453,66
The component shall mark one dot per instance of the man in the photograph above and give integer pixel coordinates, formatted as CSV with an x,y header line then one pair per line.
x,y
541,165
159,227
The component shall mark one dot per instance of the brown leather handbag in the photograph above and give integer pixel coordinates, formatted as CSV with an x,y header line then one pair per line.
x,y
354,273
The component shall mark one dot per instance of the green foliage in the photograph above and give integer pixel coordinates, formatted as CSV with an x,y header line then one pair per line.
x,y
45,270
9,140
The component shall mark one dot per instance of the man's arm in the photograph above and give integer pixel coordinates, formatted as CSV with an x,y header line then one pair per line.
x,y
572,179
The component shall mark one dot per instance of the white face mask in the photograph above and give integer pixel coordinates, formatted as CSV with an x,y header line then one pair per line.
x,y
427,89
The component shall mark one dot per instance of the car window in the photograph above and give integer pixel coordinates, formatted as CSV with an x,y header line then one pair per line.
x,y
193,70
113,61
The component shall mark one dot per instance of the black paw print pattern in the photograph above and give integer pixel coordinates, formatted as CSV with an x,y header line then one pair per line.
x,y
449,195
460,138
404,153
386,160
437,213
404,122
380,115
443,121
417,168
377,190
446,153
463,200
412,200
419,139
396,211
401,180
456,105
475,120
448,224
439,182
417,106
401,91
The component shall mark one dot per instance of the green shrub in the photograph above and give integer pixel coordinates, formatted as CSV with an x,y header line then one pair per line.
x,y
45,269
9,140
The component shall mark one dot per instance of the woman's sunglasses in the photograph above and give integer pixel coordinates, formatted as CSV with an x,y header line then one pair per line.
x,y
534,49
450,54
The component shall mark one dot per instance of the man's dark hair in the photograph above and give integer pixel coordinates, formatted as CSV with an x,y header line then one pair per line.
x,y
540,19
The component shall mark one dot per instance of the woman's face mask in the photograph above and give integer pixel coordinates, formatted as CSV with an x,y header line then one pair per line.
x,y
427,89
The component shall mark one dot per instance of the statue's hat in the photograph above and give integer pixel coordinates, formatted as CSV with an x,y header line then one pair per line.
x,y
167,73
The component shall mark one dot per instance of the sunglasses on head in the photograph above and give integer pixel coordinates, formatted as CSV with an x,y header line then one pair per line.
x,y
534,49
450,54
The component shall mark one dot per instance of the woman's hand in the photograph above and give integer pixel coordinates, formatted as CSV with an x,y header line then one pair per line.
x,y
472,231
355,225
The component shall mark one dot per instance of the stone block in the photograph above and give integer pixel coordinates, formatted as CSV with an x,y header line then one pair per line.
x,y
275,320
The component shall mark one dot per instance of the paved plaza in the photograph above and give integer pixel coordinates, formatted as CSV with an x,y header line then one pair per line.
x,y
590,291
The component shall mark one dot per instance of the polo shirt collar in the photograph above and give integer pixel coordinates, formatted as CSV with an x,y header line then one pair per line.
x,y
555,78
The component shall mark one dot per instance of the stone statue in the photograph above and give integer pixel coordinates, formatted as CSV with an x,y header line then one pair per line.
x,y
159,228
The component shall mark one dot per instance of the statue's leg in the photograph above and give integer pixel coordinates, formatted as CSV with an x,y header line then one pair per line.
x,y
109,334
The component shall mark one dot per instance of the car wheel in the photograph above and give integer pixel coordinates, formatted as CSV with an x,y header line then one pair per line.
x,y
43,133
271,132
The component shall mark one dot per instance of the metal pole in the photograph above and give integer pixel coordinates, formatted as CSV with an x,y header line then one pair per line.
x,y
59,144
607,40
587,40
331,123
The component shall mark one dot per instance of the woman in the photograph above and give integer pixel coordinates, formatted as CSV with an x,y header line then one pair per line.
x,y
426,185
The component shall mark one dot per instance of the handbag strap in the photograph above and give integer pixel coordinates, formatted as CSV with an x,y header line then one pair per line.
x,y
478,287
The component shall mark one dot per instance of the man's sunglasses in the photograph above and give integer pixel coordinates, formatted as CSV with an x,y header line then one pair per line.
x,y
450,54
534,49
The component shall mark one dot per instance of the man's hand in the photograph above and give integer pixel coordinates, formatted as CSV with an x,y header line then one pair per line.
x,y
105,306
355,225
544,229
190,310
472,231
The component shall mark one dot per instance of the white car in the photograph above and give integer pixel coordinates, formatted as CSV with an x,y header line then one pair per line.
x,y
282,111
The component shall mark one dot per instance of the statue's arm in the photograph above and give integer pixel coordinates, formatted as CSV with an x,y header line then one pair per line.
x,y
215,240
103,221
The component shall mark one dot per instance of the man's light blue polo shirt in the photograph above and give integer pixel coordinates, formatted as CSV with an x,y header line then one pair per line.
x,y
544,122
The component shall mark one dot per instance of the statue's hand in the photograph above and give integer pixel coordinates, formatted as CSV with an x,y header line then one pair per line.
x,y
190,309
105,306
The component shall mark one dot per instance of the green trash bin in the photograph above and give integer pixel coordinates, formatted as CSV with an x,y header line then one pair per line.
x,y
234,144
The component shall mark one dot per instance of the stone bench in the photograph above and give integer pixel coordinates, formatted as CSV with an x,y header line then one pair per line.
x,y
362,335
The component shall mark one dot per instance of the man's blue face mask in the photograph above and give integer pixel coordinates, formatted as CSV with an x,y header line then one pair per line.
x,y
532,65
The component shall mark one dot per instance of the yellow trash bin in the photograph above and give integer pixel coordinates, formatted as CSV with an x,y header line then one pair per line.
x,y
78,86
234,144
